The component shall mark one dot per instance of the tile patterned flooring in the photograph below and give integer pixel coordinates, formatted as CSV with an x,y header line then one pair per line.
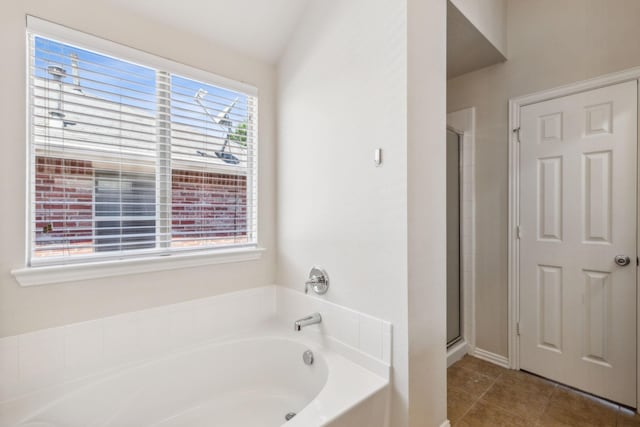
x,y
482,394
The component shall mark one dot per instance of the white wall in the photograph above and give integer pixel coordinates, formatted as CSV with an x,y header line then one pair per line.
x,y
341,94
426,210
27,309
343,91
551,43
358,75
489,17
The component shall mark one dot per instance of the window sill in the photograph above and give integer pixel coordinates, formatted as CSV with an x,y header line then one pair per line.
x,y
34,276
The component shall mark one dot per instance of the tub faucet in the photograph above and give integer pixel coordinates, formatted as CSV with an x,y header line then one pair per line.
x,y
306,321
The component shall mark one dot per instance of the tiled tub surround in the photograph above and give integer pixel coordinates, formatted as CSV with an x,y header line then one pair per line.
x,y
40,367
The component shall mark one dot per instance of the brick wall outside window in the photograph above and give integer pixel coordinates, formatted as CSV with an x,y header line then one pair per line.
x,y
63,201
206,207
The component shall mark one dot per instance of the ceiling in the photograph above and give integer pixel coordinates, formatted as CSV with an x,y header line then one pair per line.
x,y
259,29
467,48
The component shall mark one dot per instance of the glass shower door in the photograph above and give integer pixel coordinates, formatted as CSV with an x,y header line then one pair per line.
x,y
453,239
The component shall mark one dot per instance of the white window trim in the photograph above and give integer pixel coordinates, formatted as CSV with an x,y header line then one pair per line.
x,y
60,273
35,276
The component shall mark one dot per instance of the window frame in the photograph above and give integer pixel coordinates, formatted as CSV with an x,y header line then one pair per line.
x,y
38,27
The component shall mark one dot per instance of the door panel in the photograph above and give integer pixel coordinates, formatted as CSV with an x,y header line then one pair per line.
x,y
578,172
550,307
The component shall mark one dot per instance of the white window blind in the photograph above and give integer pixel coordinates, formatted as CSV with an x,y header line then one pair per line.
x,y
128,159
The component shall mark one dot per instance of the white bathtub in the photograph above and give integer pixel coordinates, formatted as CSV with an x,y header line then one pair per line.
x,y
250,380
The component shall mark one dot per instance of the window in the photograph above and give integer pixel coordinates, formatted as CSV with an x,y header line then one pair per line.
x,y
134,155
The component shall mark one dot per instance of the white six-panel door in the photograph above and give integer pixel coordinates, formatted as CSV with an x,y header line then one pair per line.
x,y
578,174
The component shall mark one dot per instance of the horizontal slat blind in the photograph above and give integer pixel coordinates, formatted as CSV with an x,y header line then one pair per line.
x,y
128,160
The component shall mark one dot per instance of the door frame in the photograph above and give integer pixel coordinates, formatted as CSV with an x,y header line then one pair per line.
x,y
515,104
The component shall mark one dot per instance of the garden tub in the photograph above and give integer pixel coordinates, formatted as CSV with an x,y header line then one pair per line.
x,y
257,379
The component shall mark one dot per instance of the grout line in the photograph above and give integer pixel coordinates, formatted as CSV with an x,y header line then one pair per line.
x,y
618,409
477,372
536,420
466,412
493,381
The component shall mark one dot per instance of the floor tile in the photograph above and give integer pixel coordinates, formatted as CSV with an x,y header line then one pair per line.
x,y
484,415
480,395
517,399
458,403
481,366
569,408
471,382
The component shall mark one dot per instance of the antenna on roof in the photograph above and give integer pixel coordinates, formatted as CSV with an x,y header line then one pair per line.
x,y
74,72
222,120
57,74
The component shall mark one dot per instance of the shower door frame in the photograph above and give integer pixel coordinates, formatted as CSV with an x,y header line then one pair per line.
x,y
460,336
462,122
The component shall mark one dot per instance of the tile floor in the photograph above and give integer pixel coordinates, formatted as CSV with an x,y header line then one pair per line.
x,y
482,394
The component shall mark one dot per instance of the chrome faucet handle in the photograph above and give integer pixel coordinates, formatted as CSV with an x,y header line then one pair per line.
x,y
313,281
318,281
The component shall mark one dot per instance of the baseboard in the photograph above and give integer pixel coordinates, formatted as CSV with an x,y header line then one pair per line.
x,y
446,423
491,357
457,352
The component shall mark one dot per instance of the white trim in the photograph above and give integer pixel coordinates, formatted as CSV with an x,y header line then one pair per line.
x,y
446,423
513,246
33,276
464,123
29,200
496,359
637,278
93,43
457,352
515,104
577,87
